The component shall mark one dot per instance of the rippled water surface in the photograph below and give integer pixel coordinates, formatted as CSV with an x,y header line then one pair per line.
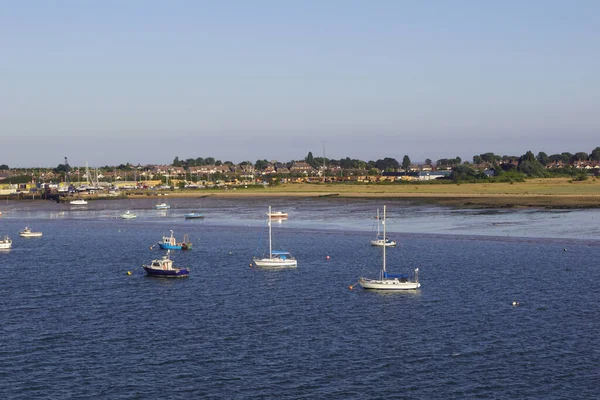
x,y
75,325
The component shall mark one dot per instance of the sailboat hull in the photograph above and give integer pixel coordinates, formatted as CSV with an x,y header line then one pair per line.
x,y
275,263
381,242
387,284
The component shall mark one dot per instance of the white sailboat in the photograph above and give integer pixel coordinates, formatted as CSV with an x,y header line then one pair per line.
x,y
381,240
389,281
276,258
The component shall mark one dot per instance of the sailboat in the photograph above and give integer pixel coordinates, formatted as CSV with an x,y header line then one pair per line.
x,y
381,240
389,281
276,258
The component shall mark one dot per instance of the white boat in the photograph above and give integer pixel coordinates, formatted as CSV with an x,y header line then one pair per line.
x,y
5,243
275,258
278,215
78,202
389,281
381,240
28,233
163,206
128,215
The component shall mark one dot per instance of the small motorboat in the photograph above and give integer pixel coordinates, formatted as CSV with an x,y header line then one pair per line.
x,y
163,206
278,215
169,243
5,243
164,268
193,215
28,233
128,215
78,202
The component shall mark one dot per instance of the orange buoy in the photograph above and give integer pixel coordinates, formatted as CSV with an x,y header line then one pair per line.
x,y
327,257
350,287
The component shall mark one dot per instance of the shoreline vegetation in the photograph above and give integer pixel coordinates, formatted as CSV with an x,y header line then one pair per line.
x,y
539,193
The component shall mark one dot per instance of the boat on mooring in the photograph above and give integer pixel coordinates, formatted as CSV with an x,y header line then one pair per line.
x,y
278,215
78,202
5,243
163,206
275,258
389,281
169,243
193,215
128,215
164,268
379,239
28,233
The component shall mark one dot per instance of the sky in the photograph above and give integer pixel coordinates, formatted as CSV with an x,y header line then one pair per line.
x,y
143,81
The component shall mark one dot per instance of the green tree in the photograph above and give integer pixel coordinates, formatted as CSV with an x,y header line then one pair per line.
x,y
530,166
405,163
477,160
428,161
543,158
176,162
4,167
595,154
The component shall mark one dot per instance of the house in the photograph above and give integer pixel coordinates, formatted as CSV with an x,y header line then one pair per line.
x,y
301,167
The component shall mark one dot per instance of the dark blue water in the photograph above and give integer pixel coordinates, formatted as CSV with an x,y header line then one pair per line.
x,y
75,325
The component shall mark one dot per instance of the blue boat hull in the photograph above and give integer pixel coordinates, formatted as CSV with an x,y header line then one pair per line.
x,y
170,246
169,273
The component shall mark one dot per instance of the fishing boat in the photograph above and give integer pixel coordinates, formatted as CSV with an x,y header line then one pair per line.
x,y
128,215
164,268
381,240
278,215
275,258
5,243
163,206
169,243
193,215
389,281
78,202
28,233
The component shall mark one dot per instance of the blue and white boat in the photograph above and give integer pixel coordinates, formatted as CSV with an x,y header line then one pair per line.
x,y
169,243
193,215
275,258
163,206
387,281
164,268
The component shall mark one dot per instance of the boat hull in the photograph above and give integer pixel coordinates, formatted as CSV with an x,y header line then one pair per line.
x,y
167,273
192,216
388,284
32,234
382,243
275,263
5,246
175,247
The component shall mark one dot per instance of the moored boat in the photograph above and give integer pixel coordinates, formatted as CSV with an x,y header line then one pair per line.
x,y
275,258
169,243
164,268
381,240
278,215
5,243
193,215
163,206
389,281
28,233
78,202
128,215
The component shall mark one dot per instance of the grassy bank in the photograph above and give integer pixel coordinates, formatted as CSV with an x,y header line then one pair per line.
x,y
551,192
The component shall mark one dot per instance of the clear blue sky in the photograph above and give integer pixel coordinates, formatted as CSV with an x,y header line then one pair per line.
x,y
114,81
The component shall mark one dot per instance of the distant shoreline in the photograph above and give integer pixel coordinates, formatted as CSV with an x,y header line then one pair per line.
x,y
535,193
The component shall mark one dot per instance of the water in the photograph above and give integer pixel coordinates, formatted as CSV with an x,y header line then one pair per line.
x,y
75,325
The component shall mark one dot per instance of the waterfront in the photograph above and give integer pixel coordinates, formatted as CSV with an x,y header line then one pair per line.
x,y
75,325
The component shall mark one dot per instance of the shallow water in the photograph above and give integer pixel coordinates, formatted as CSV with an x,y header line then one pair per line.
x,y
75,325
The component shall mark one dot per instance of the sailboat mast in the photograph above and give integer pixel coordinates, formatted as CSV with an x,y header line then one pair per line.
x,y
378,223
384,246
270,246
